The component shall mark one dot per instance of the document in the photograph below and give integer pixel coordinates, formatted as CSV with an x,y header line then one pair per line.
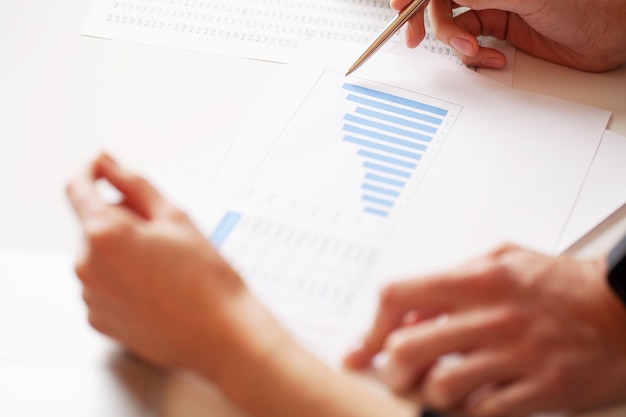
x,y
340,184
260,29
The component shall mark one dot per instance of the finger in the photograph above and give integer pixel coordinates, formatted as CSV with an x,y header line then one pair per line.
x,y
415,30
449,387
470,284
449,31
82,191
514,6
399,4
412,350
139,195
519,398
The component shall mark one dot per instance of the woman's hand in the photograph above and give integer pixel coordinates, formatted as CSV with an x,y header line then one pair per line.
x,y
150,279
532,333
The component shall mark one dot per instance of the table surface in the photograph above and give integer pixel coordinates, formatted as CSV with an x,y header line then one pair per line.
x,y
64,98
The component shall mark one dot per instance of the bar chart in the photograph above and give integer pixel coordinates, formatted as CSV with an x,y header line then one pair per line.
x,y
352,156
307,229
392,133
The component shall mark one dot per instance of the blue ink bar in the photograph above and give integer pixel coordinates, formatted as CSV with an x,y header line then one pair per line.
x,y
225,227
394,109
395,99
383,137
380,190
377,212
384,180
387,128
384,148
386,170
376,200
397,120
384,158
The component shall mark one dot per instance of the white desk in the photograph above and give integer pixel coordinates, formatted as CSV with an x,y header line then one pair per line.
x,y
63,98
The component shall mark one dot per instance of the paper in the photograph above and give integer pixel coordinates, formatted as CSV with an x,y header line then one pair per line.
x,y
604,191
260,29
340,184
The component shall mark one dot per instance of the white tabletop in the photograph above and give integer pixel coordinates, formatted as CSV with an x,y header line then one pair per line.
x,y
64,97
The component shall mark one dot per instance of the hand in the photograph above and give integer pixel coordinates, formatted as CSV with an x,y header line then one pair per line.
x,y
534,333
153,282
583,34
150,279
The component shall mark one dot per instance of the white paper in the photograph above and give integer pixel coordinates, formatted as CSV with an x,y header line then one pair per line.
x,y
502,165
604,191
259,29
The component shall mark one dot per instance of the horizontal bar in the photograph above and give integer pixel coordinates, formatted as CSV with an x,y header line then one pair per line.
x,y
381,190
389,149
397,120
387,128
383,137
386,169
377,212
376,200
394,109
226,226
395,99
387,159
384,180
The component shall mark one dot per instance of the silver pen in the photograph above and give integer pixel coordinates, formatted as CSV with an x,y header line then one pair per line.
x,y
389,30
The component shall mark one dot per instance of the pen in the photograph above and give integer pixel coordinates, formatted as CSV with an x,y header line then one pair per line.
x,y
389,30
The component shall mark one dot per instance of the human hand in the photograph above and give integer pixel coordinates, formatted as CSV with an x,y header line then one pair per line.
x,y
154,283
584,34
150,279
535,333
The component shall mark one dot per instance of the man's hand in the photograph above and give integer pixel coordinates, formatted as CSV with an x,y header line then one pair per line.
x,y
532,333
584,34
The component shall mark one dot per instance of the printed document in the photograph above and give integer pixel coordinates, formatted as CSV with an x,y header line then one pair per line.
x,y
340,184
260,29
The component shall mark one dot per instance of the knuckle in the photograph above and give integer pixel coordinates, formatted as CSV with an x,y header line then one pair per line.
x,y
439,390
389,295
104,235
554,379
177,215
399,348
97,323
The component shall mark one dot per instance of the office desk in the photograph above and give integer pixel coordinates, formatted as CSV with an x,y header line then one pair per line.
x,y
63,98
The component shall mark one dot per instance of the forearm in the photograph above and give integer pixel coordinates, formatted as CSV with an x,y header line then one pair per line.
x,y
268,375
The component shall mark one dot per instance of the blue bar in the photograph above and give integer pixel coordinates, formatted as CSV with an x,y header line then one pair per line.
x,y
377,212
383,137
395,99
226,226
384,148
383,158
397,120
376,200
387,170
384,180
394,109
387,128
380,190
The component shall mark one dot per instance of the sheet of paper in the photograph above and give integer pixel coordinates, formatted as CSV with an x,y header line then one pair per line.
x,y
339,184
260,29
604,191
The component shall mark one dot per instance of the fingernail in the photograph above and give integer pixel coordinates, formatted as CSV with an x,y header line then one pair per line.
x,y
462,45
492,62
